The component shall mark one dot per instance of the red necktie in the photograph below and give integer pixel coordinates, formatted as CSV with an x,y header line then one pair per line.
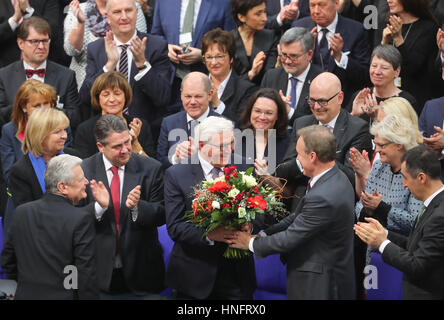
x,y
115,195
31,72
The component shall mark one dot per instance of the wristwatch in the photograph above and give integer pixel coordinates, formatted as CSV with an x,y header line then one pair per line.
x,y
145,65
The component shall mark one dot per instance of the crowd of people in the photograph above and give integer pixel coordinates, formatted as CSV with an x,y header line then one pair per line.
x,y
111,111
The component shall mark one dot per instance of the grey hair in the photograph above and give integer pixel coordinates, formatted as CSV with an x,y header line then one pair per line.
x,y
107,5
60,169
211,126
388,53
204,78
106,125
396,129
296,34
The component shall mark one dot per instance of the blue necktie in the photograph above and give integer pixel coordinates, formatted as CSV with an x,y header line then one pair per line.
x,y
287,2
294,83
323,49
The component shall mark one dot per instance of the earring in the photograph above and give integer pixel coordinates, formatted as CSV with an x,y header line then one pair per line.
x,y
24,110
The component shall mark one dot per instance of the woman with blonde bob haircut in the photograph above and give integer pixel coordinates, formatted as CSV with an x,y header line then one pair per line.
x,y
382,195
45,137
112,94
31,96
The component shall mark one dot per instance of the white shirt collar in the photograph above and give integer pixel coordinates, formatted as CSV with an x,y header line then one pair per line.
x,y
316,178
429,199
206,167
332,123
332,27
118,43
27,66
302,76
201,118
108,164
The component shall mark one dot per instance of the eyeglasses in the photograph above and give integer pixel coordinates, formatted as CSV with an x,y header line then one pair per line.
x,y
218,58
223,147
265,113
291,57
321,102
36,42
382,145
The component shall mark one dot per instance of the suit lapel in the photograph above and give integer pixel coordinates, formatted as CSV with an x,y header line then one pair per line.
x,y
229,88
19,75
340,127
305,90
50,74
282,80
204,9
241,54
130,180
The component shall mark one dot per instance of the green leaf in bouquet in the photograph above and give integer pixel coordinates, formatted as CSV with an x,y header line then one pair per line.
x,y
249,171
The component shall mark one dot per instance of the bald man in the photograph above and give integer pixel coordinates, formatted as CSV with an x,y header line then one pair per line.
x,y
325,100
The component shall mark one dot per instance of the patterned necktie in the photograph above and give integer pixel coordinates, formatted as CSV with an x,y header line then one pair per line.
x,y
215,172
294,83
420,212
308,187
38,72
193,124
188,21
123,62
323,49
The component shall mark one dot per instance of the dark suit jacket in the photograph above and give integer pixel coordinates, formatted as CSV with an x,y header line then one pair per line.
x,y
85,142
356,76
23,183
317,240
46,236
235,96
61,78
264,40
273,10
151,93
349,131
139,247
278,79
212,14
194,264
177,121
421,256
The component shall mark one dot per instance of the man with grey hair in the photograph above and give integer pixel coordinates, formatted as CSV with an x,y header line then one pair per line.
x,y
129,255
49,248
216,277
141,58
317,238
293,79
176,143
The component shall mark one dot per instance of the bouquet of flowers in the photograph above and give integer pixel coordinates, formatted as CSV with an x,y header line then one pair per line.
x,y
230,201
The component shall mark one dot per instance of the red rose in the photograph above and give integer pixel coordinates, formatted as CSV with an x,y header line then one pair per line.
x,y
239,197
257,202
225,205
229,170
220,186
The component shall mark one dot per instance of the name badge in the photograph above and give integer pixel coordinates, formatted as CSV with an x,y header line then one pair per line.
x,y
185,38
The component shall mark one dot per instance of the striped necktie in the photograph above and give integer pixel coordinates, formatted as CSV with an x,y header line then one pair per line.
x,y
123,62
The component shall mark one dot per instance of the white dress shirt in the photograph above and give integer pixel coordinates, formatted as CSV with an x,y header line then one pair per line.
x,y
220,108
299,85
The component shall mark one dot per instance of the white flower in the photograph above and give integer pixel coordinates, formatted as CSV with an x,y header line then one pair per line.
x,y
241,212
249,181
222,178
233,193
215,205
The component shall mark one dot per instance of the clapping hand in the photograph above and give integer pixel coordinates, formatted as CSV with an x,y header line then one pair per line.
x,y
436,141
133,198
371,201
100,193
185,149
360,163
359,102
111,51
258,63
137,48
261,167
372,233
135,127
77,12
336,44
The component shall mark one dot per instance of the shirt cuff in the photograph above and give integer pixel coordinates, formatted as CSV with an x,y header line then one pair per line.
x,y
250,245
344,60
290,114
139,75
29,14
383,245
14,25
278,19
220,108
99,211
105,69
210,242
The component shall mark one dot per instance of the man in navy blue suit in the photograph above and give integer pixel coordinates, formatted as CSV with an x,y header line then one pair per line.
x,y
142,58
177,131
197,268
341,47
281,13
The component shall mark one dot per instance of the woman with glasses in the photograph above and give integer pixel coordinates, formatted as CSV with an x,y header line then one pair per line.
x,y
85,23
112,94
385,67
256,47
382,195
44,138
230,91
265,137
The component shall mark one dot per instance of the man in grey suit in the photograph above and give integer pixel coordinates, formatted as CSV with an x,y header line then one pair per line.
x,y
316,238
293,79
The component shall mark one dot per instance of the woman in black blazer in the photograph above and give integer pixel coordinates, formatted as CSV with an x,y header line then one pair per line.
x,y
112,94
266,115
256,50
